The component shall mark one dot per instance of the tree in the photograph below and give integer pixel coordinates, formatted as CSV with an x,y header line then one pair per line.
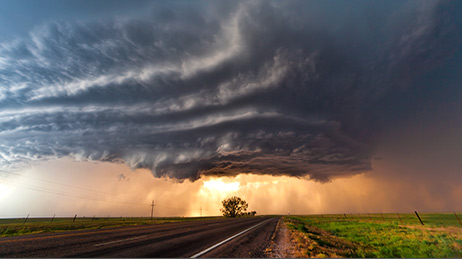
x,y
233,207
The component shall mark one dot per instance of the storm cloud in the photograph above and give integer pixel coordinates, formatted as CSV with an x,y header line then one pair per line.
x,y
294,88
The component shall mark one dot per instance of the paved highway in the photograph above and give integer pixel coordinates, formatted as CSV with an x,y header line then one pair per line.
x,y
240,237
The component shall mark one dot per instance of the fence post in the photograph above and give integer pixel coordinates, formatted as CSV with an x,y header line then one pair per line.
x,y
457,218
26,218
399,218
419,218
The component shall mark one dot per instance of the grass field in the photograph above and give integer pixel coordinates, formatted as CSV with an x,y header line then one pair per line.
x,y
11,227
377,235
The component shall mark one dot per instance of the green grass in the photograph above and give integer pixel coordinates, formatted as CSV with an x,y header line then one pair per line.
x,y
429,219
376,237
12,227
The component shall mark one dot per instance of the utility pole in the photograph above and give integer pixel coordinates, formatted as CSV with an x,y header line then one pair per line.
x,y
152,209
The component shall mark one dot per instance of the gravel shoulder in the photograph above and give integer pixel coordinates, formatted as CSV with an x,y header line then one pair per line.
x,y
312,242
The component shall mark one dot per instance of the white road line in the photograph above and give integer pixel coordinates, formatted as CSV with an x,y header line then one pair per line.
x,y
118,241
226,240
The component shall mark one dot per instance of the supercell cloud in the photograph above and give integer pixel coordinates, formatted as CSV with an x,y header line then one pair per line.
x,y
298,88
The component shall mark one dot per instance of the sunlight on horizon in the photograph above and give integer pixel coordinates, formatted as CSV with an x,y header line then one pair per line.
x,y
219,185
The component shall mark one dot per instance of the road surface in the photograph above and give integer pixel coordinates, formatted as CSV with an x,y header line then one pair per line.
x,y
249,237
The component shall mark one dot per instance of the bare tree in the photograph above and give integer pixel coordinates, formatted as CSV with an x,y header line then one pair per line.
x,y
233,207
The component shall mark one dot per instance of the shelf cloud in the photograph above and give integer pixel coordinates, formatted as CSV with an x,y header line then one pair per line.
x,y
304,89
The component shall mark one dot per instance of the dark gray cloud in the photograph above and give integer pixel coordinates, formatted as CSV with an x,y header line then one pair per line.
x,y
283,88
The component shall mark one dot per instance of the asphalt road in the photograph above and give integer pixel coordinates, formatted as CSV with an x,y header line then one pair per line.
x,y
183,239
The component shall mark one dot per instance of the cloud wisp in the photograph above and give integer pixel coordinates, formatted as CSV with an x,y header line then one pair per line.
x,y
244,87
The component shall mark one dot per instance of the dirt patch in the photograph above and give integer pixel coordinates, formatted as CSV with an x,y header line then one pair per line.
x,y
309,242
324,244
281,245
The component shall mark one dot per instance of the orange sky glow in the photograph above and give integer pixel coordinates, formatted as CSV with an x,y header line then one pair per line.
x,y
66,187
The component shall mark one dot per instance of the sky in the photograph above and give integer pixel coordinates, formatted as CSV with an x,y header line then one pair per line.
x,y
295,106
